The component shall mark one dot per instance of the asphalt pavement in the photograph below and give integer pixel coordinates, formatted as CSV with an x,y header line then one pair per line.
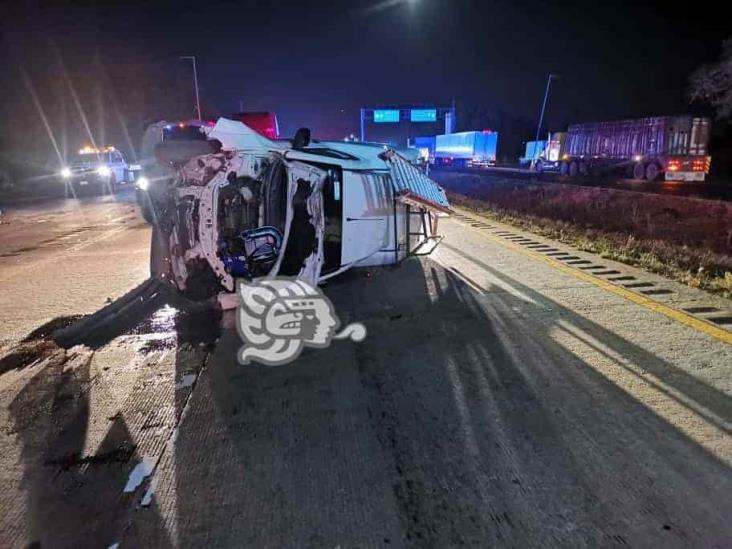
x,y
502,397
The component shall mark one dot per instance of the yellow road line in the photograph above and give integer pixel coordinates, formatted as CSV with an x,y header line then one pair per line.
x,y
639,299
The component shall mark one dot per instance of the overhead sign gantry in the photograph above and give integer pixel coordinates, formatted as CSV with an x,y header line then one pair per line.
x,y
413,114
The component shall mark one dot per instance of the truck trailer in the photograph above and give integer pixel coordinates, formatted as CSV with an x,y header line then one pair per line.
x,y
669,147
466,148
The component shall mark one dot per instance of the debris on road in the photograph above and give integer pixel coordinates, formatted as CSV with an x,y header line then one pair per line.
x,y
76,357
147,498
141,471
28,353
186,381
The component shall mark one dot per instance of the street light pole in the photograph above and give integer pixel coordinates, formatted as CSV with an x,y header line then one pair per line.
x,y
363,125
195,83
541,115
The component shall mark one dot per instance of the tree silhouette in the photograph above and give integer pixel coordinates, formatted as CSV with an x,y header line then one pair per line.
x,y
713,83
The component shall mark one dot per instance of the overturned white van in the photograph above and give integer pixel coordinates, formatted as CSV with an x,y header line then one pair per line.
x,y
301,208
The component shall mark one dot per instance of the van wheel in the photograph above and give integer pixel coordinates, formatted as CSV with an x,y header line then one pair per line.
x,y
652,171
573,168
639,171
538,166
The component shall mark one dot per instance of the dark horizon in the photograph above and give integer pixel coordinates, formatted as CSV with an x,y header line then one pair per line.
x,y
316,63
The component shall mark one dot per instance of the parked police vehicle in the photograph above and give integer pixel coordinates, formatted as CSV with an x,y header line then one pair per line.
x,y
96,170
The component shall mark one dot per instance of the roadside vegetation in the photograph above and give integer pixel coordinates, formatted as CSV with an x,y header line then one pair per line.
x,y
686,239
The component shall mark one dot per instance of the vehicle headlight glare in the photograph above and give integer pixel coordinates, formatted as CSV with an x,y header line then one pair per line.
x,y
143,183
104,171
66,173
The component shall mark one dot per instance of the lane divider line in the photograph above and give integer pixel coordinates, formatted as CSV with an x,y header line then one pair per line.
x,y
699,324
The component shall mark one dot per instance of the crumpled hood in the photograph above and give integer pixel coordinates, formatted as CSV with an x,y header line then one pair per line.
x,y
237,136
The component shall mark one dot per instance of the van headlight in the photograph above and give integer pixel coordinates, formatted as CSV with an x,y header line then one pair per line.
x,y
66,173
143,183
104,171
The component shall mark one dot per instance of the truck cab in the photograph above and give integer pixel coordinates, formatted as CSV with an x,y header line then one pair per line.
x,y
264,123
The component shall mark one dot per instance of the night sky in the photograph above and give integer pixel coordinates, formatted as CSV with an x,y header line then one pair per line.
x,y
316,62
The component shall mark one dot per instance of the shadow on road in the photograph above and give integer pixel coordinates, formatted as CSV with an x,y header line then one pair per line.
x,y
113,376
461,419
701,395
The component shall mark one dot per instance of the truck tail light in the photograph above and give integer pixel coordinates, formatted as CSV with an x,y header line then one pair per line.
x,y
673,165
698,165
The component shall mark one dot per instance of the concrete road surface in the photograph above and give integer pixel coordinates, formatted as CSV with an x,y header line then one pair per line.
x,y
503,397
68,257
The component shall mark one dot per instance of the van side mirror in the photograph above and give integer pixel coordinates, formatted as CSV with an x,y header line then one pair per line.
x,y
301,139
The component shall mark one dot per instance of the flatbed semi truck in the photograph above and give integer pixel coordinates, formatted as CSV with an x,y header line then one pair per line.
x,y
674,148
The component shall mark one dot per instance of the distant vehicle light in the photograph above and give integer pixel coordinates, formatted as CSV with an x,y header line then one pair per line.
x,y
637,158
87,149
565,157
66,173
143,183
104,171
